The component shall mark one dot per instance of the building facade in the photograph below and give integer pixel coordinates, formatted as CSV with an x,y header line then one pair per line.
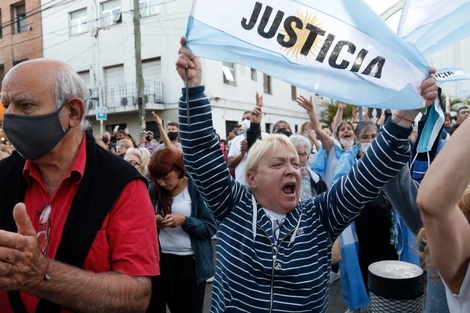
x,y
20,36
20,32
100,41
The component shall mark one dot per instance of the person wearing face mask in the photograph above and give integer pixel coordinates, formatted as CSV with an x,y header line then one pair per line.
x,y
170,138
332,148
239,146
149,143
375,221
106,138
75,219
282,127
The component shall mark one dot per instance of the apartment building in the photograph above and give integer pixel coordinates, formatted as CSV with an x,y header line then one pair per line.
x,y
99,39
20,32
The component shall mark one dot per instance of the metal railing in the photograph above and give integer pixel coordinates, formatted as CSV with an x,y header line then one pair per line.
x,y
114,96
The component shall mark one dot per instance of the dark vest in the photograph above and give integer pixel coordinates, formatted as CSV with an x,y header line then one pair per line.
x,y
104,178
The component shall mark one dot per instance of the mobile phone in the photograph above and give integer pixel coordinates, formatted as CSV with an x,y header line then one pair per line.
x,y
116,128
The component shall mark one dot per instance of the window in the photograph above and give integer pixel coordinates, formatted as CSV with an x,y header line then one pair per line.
x,y
268,126
19,16
267,84
111,13
148,7
293,92
78,22
254,74
229,73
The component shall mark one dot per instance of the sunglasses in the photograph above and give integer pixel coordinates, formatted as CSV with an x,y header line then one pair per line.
x,y
43,221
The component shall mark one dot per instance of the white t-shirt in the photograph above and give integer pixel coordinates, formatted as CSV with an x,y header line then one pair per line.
x,y
232,153
460,303
176,240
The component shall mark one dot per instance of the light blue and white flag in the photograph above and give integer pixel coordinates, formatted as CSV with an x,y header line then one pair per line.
x,y
352,284
337,48
432,25
450,74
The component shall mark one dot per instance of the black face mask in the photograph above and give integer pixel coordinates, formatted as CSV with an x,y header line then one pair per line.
x,y
283,131
105,140
148,138
172,135
34,136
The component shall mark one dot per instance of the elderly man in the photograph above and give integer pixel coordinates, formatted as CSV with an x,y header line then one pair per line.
x,y
78,229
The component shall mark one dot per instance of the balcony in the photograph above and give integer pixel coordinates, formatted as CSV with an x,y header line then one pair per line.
x,y
124,98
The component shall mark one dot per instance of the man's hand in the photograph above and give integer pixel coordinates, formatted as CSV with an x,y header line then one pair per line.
x,y
257,112
157,120
243,146
186,60
22,264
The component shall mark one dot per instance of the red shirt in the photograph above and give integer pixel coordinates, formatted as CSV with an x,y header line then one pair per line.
x,y
127,242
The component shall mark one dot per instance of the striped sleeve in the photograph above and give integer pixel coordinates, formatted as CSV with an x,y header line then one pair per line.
x,y
202,154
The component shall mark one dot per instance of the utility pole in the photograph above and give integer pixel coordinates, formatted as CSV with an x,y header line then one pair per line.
x,y
138,66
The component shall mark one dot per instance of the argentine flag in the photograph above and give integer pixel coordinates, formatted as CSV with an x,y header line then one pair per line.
x,y
337,48
432,25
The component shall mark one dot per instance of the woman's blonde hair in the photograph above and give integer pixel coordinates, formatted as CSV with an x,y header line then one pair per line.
x,y
464,205
142,153
262,146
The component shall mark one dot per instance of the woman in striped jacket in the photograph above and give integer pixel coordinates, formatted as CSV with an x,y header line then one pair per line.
x,y
274,249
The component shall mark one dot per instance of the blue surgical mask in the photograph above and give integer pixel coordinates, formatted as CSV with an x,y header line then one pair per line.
x,y
34,136
431,129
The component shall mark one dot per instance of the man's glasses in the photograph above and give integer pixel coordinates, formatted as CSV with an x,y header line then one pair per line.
x,y
44,222
134,162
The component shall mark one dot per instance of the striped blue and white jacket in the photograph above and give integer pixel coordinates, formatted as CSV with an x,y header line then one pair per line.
x,y
252,273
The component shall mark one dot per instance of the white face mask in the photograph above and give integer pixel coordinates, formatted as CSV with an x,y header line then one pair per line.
x,y
364,146
245,125
346,143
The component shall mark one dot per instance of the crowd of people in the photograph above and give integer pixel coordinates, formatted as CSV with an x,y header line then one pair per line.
x,y
108,223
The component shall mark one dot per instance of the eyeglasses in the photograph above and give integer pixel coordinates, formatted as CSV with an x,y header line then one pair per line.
x,y
134,162
44,222
122,147
301,153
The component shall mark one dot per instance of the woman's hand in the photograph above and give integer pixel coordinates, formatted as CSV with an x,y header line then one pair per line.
x,y
429,89
187,60
305,103
172,221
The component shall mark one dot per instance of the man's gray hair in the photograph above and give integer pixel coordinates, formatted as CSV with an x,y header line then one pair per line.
x,y
70,85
